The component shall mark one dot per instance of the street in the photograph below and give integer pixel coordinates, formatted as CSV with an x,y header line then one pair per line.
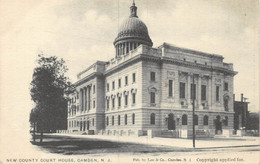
x,y
76,145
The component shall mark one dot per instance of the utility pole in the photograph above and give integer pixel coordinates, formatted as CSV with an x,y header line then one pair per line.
x,y
193,111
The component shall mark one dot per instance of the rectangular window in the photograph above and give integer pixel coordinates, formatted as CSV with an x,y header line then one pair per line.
x,y
94,89
126,100
119,83
182,90
113,85
170,88
133,76
226,86
126,80
133,98
118,120
125,119
113,103
192,91
107,104
152,76
152,97
217,93
94,104
107,87
203,92
119,101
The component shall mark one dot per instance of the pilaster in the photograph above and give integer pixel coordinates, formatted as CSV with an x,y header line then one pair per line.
x,y
209,96
188,89
199,90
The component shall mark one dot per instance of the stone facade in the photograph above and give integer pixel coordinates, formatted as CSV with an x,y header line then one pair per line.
x,y
145,88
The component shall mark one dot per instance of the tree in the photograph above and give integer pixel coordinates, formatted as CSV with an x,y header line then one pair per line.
x,y
49,90
33,121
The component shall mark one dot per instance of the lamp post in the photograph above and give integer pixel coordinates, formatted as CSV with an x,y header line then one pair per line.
x,y
193,111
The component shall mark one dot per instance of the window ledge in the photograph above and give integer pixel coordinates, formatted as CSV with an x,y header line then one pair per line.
x,y
152,104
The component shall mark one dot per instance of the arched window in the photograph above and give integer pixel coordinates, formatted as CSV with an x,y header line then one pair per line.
x,y
184,119
152,119
112,120
118,119
206,120
133,118
125,119
107,121
196,119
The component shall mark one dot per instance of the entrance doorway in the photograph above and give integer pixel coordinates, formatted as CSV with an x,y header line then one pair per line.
x,y
171,122
218,125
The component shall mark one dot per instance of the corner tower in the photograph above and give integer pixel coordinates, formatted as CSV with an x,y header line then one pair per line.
x,y
131,34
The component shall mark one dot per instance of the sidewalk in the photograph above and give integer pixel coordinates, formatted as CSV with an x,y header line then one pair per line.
x,y
176,142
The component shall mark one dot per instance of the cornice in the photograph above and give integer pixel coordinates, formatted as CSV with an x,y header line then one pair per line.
x,y
87,78
190,51
197,65
145,57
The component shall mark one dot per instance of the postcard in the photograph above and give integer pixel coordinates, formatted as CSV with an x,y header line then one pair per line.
x,y
129,81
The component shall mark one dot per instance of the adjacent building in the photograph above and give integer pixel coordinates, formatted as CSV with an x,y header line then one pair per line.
x,y
241,113
150,88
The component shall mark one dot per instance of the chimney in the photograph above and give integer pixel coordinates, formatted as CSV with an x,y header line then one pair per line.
x,y
242,97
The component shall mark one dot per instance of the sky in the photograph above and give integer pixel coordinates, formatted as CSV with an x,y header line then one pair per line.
x,y
83,31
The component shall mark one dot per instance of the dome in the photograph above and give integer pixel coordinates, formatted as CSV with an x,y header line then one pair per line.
x,y
131,34
133,28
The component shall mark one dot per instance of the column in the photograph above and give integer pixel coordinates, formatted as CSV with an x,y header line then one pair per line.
x,y
123,44
85,108
129,48
80,100
89,100
199,90
122,49
188,89
116,50
125,47
83,100
119,49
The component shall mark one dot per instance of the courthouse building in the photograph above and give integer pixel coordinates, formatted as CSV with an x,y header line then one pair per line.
x,y
145,88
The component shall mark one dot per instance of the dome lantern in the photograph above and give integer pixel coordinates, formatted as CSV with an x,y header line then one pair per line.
x,y
133,10
131,34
